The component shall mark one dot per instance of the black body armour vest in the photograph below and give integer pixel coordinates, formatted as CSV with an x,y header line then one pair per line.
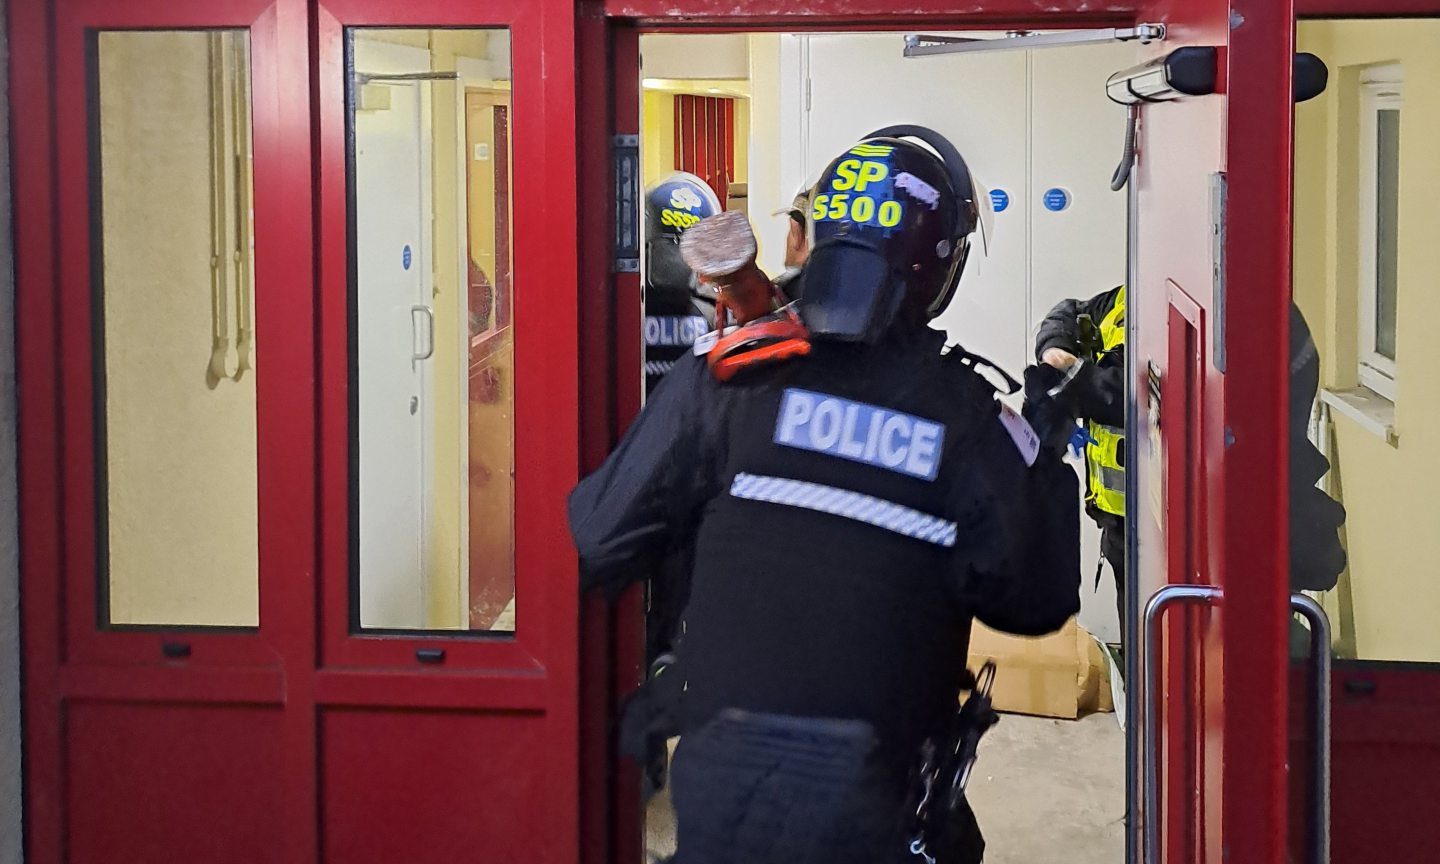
x,y
673,321
832,566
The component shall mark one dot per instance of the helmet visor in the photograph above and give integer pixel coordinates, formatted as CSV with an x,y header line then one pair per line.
x,y
848,293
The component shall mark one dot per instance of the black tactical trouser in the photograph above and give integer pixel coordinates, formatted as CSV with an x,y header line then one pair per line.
x,y
1112,549
764,789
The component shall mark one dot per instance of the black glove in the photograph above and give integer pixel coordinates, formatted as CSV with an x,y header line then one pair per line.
x,y
1052,417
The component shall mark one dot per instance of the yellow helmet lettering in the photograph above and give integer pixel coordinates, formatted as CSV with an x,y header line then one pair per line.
x,y
871,172
845,176
890,213
678,219
863,210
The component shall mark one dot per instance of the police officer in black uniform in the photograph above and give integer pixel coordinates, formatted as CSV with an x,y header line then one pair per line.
x,y
853,510
678,308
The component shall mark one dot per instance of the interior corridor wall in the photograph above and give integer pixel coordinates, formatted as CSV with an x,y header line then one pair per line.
x,y
1384,608
178,549
1027,122
10,830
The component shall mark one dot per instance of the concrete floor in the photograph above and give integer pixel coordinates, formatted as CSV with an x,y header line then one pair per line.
x,y
1052,791
1044,791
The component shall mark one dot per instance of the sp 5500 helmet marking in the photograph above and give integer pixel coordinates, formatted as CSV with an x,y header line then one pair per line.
x,y
892,224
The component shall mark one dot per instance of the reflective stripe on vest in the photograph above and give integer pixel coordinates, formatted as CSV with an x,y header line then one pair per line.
x,y
847,503
1102,459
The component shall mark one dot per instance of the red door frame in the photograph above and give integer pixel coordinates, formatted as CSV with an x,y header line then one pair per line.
x,y
612,635
1252,671
1234,689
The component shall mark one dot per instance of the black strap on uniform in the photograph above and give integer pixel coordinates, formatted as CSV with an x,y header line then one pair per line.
x,y
974,362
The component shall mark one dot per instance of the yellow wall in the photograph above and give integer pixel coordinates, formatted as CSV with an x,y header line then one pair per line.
x,y
1391,531
181,449
657,135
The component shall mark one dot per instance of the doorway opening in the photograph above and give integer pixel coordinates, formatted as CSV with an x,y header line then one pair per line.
x,y
766,112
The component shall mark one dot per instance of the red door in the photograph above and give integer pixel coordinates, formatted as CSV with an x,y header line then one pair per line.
x,y
440,740
1210,277
166,624
274,496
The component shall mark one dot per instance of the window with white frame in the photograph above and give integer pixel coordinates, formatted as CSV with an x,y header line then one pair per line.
x,y
1379,247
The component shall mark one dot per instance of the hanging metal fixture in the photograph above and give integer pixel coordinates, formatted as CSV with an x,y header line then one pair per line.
x,y
926,45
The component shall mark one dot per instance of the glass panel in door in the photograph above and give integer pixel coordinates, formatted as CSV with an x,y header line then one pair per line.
x,y
432,350
174,337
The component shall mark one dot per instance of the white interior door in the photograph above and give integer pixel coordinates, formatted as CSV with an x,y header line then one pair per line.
x,y
1077,249
395,331
861,82
1027,122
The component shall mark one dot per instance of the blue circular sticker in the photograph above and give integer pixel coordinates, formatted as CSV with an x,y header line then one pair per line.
x,y
999,200
405,257
1056,199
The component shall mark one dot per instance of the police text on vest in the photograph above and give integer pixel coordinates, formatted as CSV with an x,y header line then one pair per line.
x,y
674,331
876,436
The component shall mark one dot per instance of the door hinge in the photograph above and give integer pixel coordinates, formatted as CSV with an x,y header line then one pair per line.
x,y
625,150
1218,201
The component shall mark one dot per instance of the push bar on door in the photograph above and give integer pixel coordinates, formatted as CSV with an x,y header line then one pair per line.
x,y
1209,595
1319,623
1170,595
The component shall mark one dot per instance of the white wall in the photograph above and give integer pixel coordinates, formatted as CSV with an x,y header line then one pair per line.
x,y
10,849
777,128
696,56
1025,121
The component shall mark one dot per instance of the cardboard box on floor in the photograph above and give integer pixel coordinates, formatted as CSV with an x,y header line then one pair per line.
x,y
1061,675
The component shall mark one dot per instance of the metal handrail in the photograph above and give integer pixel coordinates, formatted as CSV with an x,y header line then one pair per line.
x,y
1320,638
1209,595
1170,595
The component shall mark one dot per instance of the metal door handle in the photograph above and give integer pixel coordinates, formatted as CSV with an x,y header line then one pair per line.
x,y
429,331
1170,595
1319,623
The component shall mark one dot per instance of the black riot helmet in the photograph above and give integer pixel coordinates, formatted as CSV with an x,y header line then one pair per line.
x,y
672,207
892,223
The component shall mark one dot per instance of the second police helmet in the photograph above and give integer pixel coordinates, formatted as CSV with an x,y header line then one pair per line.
x,y
672,207
892,222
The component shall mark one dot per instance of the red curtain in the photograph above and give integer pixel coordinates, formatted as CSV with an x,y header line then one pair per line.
x,y
705,140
